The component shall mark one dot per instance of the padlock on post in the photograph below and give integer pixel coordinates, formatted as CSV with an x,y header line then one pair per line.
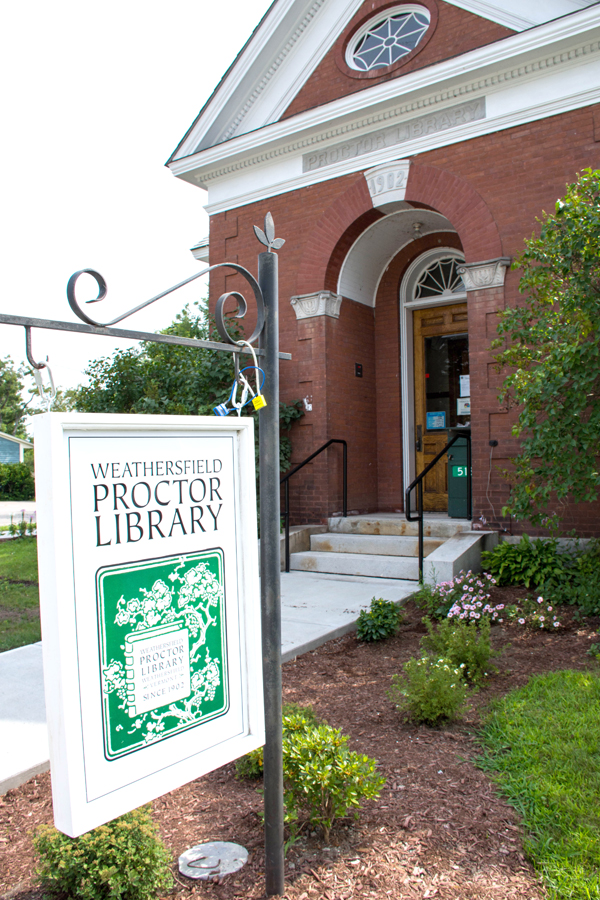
x,y
259,402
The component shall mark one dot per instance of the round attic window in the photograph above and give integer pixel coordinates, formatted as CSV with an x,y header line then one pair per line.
x,y
385,39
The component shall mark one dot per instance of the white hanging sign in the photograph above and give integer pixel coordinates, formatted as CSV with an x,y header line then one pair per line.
x,y
149,603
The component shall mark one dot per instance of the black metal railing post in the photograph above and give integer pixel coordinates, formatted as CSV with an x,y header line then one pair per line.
x,y
286,478
421,542
418,484
345,479
287,525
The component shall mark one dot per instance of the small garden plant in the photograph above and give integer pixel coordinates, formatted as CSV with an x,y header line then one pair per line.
x,y
122,860
464,645
532,613
584,588
323,779
379,622
432,690
294,717
465,597
532,563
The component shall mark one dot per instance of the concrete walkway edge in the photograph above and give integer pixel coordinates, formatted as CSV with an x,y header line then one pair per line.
x,y
315,608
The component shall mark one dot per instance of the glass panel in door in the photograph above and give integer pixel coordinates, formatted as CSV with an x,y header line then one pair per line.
x,y
442,391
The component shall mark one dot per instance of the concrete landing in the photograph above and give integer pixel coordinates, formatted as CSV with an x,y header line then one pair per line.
x,y
315,608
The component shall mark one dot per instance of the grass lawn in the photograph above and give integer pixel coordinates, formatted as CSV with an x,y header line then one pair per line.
x,y
542,746
19,596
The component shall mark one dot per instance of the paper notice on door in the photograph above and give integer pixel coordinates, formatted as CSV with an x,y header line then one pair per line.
x,y
463,406
465,386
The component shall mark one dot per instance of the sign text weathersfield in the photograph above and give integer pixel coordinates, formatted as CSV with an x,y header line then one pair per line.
x,y
144,501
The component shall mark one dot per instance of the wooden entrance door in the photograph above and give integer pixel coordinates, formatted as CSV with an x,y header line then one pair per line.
x,y
441,359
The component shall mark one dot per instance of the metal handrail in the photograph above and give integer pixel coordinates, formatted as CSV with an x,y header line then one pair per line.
x,y
418,483
286,480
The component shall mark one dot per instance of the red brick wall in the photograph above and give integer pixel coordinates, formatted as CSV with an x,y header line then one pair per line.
x,y
456,32
492,189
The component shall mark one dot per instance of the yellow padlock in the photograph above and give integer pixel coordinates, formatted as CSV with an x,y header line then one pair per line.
x,y
259,401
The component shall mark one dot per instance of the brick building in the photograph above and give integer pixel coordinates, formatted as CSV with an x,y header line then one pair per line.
x,y
404,150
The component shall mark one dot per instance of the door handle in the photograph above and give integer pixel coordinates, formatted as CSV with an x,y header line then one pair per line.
x,y
419,439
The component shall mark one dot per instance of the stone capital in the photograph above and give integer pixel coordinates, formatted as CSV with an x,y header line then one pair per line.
x,y
480,276
321,303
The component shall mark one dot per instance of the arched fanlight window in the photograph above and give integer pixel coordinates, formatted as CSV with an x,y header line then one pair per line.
x,y
386,39
440,279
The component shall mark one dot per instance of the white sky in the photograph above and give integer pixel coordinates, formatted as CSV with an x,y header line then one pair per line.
x,y
95,98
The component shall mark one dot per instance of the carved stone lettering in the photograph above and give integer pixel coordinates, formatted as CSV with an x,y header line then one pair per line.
x,y
451,117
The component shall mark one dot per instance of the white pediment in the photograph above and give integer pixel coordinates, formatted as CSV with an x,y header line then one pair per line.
x,y
289,44
521,14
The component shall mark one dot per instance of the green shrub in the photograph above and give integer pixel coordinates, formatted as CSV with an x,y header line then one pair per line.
x,y
584,589
379,622
325,778
432,690
251,765
294,718
322,778
532,563
16,482
462,644
122,860
594,651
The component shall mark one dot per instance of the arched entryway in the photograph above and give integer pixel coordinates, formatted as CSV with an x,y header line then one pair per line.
x,y
405,267
367,272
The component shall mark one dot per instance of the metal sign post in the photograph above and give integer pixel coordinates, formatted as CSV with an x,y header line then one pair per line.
x,y
270,567
265,292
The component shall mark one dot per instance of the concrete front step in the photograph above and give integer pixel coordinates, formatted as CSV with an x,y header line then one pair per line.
x,y
435,526
399,567
376,544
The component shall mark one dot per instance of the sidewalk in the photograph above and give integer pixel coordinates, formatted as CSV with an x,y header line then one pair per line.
x,y
315,608
15,509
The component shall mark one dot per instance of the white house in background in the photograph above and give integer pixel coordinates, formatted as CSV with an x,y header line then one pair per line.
x,y
12,449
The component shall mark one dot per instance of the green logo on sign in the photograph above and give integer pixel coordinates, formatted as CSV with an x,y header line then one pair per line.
x,y
163,653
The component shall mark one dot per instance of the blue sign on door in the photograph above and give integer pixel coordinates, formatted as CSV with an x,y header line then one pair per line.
x,y
436,421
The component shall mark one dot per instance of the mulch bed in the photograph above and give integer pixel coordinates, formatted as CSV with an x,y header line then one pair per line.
x,y
439,828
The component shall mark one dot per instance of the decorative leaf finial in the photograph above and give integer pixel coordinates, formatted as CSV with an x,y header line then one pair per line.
x,y
267,237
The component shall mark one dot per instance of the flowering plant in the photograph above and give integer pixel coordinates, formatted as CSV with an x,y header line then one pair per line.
x,y
466,646
432,689
466,597
533,614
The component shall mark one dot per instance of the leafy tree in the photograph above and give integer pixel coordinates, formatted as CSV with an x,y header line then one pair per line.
x,y
553,352
13,408
169,379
